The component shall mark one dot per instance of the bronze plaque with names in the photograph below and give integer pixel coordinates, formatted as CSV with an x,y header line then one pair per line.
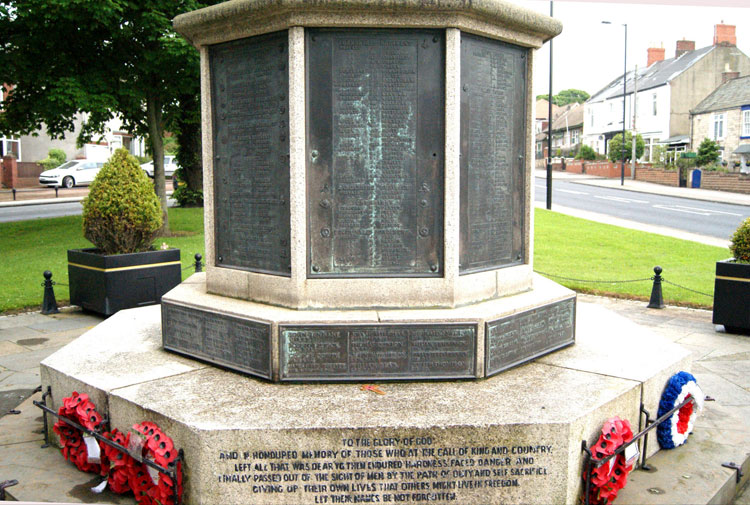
x,y
377,351
249,97
375,152
493,135
524,336
233,342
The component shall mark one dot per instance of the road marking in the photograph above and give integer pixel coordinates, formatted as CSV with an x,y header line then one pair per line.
x,y
694,210
619,199
675,208
572,192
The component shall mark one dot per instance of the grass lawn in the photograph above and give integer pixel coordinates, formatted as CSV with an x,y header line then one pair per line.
x,y
576,248
28,248
564,246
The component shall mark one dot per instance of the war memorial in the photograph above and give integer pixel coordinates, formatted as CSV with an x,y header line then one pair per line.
x,y
369,328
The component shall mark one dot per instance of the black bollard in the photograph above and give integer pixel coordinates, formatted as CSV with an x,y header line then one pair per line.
x,y
49,304
198,264
657,301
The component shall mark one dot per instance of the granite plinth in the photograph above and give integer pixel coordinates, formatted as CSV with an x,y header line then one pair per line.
x,y
512,438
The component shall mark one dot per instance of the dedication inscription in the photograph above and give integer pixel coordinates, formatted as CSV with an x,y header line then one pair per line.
x,y
493,129
375,152
235,342
382,351
398,468
249,87
527,335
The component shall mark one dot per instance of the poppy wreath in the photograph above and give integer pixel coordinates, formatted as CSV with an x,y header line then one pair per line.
x,y
674,431
119,462
80,409
609,478
159,448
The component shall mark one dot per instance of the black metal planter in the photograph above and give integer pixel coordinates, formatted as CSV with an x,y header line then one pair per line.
x,y
731,295
106,284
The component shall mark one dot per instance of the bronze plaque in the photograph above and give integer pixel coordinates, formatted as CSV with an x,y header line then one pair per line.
x,y
493,143
375,112
234,342
249,96
377,351
521,337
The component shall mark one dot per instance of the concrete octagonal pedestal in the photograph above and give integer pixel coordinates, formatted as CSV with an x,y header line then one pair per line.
x,y
513,438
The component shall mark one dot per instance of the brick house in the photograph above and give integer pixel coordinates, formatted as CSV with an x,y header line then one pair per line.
x,y
666,92
724,116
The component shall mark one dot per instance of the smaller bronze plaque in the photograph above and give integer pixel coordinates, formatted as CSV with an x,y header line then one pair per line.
x,y
522,337
234,342
378,351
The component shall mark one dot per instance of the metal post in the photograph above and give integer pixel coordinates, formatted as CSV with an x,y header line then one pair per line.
x,y
624,87
549,124
657,301
14,194
198,264
635,113
49,304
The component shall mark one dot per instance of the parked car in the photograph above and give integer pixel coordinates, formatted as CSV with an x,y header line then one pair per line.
x,y
170,166
71,173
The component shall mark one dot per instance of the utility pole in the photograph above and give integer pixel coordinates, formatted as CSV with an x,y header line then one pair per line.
x,y
635,113
549,125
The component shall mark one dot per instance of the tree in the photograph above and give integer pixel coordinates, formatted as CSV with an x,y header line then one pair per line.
x,y
708,153
615,147
586,153
119,58
566,96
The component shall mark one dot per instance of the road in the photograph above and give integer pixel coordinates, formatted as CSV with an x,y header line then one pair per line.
x,y
711,219
24,212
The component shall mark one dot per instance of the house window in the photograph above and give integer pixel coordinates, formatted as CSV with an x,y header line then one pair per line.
x,y
745,122
10,145
653,102
718,130
574,135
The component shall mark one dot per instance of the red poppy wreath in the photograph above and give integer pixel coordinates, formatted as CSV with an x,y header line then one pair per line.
x,y
149,486
120,463
609,478
75,447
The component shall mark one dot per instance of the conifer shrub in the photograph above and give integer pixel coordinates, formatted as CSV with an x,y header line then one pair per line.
x,y
740,245
121,214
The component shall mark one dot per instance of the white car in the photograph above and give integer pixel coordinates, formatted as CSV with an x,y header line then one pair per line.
x,y
71,173
170,166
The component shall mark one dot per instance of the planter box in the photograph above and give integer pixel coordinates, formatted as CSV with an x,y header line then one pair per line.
x,y
106,284
731,295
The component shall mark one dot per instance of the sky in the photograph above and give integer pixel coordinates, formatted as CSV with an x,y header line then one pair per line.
x,y
588,55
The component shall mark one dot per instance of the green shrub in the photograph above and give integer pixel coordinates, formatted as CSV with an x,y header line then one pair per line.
x,y
740,245
708,153
55,158
185,196
122,213
586,153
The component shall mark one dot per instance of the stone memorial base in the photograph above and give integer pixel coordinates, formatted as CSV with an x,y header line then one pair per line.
x,y
512,438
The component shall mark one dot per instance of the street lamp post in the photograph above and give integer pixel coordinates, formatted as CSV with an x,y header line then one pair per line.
x,y
624,88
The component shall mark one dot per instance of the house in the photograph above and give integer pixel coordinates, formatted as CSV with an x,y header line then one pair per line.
x,y
663,93
541,123
724,116
32,148
567,130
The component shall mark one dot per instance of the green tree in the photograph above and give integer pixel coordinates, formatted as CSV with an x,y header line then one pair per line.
x,y
106,58
616,148
55,158
708,153
567,96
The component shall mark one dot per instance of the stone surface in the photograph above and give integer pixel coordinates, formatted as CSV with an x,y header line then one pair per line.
x,y
213,414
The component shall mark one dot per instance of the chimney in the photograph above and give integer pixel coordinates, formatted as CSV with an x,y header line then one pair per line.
x,y
655,54
684,46
724,35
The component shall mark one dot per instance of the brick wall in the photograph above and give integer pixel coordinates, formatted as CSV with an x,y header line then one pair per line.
x,y
605,169
736,183
9,172
658,176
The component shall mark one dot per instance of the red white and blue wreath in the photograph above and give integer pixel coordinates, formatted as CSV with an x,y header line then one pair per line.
x,y
674,431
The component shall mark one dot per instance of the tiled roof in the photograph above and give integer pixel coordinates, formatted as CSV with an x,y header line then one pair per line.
x,y
573,115
730,95
658,74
